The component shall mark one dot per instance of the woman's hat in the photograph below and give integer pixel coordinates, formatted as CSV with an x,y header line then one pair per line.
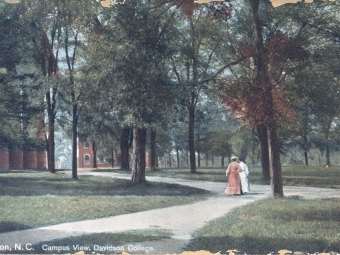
x,y
233,157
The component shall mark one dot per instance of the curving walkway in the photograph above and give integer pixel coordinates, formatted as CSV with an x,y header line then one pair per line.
x,y
182,220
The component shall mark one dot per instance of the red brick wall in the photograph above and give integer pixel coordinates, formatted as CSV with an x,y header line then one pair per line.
x,y
4,159
15,159
30,159
12,159
88,151
83,151
41,160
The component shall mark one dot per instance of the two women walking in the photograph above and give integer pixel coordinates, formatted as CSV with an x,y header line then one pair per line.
x,y
237,174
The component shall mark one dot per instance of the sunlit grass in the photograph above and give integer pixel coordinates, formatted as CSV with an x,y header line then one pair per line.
x,y
275,224
312,176
212,174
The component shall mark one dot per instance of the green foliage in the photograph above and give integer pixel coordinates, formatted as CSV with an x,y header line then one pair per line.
x,y
17,113
140,63
216,143
245,144
21,100
138,77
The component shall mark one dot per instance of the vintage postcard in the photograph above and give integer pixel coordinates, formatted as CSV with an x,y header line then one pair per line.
x,y
169,127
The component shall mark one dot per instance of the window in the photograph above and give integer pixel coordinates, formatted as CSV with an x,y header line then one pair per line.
x,y
86,145
86,160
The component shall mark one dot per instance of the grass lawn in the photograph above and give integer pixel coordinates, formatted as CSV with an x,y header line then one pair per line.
x,y
272,225
313,176
309,176
213,174
34,199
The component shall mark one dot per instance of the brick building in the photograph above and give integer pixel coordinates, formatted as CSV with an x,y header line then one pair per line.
x,y
17,159
86,156
104,157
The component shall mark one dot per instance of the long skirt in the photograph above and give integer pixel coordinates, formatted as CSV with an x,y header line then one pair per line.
x,y
234,184
244,182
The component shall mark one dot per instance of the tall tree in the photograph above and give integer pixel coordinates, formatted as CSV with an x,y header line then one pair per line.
x,y
141,33
261,97
47,56
20,76
76,19
318,24
200,37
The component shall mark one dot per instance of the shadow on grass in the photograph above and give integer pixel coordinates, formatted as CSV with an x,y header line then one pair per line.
x,y
6,226
40,184
102,243
253,245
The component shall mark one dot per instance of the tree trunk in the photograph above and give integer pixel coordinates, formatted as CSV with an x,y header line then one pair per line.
x,y
94,149
47,146
222,161
124,148
268,118
50,137
305,145
153,150
139,143
198,150
327,127
51,143
328,160
49,67
275,163
192,155
74,140
261,69
188,158
177,157
262,132
112,157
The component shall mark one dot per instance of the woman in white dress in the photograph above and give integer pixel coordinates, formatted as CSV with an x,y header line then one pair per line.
x,y
244,176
